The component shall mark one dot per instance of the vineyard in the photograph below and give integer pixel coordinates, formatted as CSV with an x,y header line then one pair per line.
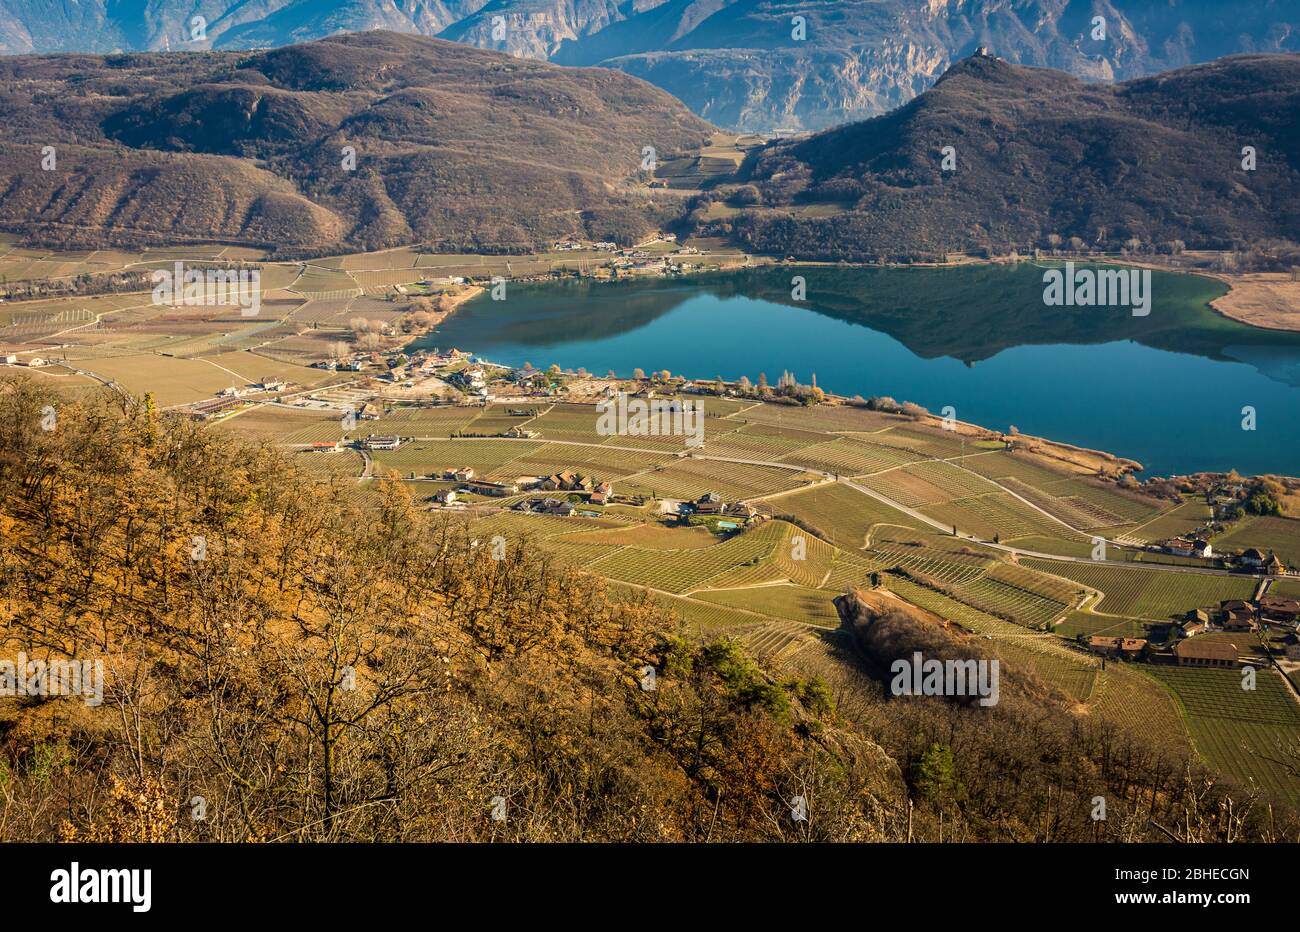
x,y
1247,734
1150,594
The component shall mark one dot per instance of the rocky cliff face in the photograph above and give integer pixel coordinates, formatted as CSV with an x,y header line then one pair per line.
x,y
758,65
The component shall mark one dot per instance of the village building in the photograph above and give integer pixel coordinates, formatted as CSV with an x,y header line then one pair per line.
x,y
1205,652
1291,646
496,489
1117,647
273,385
1252,558
382,442
8,359
1276,608
205,410
1188,547
1236,615
459,474
547,506
445,496
368,412
710,503
326,446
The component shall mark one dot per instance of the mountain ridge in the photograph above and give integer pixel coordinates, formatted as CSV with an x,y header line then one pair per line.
x,y
453,146
733,62
1038,154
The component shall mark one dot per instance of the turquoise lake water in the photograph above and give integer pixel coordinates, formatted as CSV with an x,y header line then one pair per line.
x,y
1166,389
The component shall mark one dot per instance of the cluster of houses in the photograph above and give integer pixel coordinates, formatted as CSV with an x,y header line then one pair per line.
x,y
1187,547
1252,560
592,490
570,245
711,504
1194,649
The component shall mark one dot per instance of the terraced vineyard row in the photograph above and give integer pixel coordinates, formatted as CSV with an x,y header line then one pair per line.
x,y
1152,594
924,561
1068,670
1244,733
682,571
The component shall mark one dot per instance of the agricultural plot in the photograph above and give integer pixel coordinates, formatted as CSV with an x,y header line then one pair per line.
x,y
654,537
756,441
822,418
682,571
1126,696
1009,464
1107,502
848,569
1245,734
1285,588
1180,520
778,641
346,464
255,368
708,618
841,514
487,457
425,422
575,423
1042,654
926,442
172,381
1280,535
692,478
995,514
1006,600
1086,623
266,422
1152,594
849,457
320,282
793,603
1072,511
945,568
596,461
928,483
798,557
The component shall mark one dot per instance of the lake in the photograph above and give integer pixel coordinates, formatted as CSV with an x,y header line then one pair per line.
x,y
1166,389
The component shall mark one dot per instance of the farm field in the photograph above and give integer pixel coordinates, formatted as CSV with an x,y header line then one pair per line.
x,y
841,514
1280,535
1246,734
793,603
691,478
1150,594
1180,520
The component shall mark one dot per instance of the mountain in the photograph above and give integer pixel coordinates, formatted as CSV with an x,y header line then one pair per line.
x,y
454,146
736,63
1038,154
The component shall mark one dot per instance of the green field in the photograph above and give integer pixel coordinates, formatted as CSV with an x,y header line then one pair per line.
x,y
1246,734
1151,594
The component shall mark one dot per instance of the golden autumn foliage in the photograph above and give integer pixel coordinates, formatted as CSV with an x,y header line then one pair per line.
x,y
311,669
